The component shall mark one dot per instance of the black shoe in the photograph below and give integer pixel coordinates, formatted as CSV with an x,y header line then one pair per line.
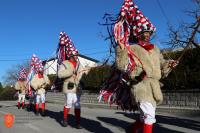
x,y
18,107
37,112
28,108
31,107
43,113
23,107
78,126
64,123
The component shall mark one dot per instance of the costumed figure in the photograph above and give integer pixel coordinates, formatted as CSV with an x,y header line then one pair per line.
x,y
68,67
20,87
39,83
139,65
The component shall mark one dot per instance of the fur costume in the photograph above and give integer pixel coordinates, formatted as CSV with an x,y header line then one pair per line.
x,y
139,66
68,70
71,89
154,66
20,86
40,84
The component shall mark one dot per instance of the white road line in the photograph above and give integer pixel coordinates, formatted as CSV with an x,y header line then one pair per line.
x,y
3,112
33,127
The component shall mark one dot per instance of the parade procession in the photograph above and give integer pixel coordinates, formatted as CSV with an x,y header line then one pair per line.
x,y
138,85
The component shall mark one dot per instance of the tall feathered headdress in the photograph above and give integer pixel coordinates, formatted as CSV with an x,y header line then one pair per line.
x,y
66,48
22,74
36,64
131,19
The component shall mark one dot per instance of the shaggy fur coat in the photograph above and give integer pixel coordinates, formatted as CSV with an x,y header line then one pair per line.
x,y
39,84
66,71
20,86
147,90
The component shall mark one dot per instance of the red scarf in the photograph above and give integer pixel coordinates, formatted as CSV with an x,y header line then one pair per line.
x,y
146,45
20,80
73,63
40,75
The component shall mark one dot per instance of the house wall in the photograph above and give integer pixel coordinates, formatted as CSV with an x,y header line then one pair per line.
x,y
51,66
87,63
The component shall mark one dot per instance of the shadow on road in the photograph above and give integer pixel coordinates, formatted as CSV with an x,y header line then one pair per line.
x,y
88,124
94,126
54,115
123,124
185,123
180,122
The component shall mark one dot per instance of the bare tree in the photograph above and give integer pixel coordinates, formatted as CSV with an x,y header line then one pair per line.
x,y
186,34
12,73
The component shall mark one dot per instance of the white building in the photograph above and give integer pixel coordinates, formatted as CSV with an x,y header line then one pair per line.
x,y
51,64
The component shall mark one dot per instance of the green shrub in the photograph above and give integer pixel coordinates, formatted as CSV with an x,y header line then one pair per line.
x,y
1,88
187,74
8,94
95,78
52,78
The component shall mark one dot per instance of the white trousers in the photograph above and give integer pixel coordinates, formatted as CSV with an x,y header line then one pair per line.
x,y
21,97
147,113
72,100
41,98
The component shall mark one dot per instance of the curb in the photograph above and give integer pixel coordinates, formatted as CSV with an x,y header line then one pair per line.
x,y
161,109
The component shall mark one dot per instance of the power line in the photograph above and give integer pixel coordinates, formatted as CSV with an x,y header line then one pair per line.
x,y
6,60
22,54
13,60
25,54
162,11
95,53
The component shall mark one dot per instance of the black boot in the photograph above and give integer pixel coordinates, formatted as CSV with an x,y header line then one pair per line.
x,y
31,107
78,126
43,113
36,112
28,107
65,123
78,118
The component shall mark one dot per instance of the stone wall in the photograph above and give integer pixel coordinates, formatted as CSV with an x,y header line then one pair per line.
x,y
173,98
182,98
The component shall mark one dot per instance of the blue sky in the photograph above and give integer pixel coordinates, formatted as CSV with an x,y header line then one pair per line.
x,y
33,26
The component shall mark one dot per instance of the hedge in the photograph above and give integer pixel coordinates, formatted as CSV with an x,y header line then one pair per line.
x,y
8,93
187,74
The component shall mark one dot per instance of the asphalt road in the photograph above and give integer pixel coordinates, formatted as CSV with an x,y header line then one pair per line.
x,y
93,120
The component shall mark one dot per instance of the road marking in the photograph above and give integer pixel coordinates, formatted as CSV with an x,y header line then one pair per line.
x,y
3,112
33,127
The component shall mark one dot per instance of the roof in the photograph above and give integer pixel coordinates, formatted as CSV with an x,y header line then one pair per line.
x,y
80,55
89,58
